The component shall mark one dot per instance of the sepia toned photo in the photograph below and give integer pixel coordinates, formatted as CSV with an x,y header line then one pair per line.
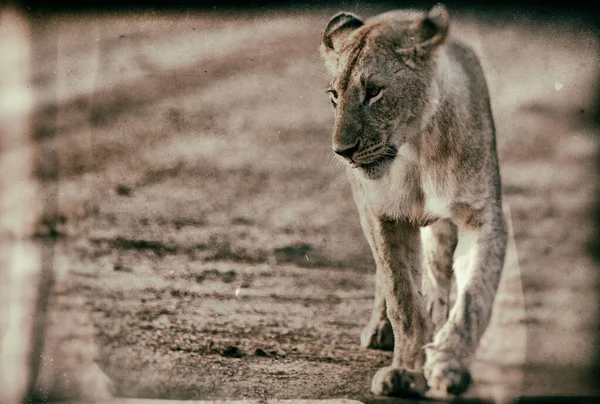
x,y
322,201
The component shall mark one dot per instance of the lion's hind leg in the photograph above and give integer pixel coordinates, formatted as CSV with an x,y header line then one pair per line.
x,y
378,333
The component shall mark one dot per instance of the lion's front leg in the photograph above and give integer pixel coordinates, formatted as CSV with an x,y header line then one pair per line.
x,y
439,242
479,259
397,249
378,333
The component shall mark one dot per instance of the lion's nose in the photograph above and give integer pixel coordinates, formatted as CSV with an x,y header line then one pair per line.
x,y
349,151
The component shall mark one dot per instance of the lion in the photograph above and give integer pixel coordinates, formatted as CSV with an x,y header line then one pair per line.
x,y
414,126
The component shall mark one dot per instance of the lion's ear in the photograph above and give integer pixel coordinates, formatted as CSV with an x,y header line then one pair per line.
x,y
433,30
439,18
337,30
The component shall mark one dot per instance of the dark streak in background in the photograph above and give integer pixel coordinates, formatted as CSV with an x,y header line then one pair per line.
x,y
47,167
595,244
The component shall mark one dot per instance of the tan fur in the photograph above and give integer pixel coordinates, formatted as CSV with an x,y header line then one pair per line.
x,y
413,120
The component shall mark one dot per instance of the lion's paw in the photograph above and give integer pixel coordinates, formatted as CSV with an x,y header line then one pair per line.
x,y
378,336
392,381
446,374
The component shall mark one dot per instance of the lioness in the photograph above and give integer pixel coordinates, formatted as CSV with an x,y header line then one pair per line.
x,y
414,124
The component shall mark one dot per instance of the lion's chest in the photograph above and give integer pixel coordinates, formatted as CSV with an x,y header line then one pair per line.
x,y
405,192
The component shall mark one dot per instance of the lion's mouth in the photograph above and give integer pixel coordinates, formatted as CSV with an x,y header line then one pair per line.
x,y
384,159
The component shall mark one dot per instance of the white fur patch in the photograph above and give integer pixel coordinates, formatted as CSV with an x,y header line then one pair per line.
x,y
435,204
464,256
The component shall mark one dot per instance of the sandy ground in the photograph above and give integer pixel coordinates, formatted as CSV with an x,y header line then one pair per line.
x,y
210,247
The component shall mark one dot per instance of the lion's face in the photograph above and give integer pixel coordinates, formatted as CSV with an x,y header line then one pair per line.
x,y
378,93
376,101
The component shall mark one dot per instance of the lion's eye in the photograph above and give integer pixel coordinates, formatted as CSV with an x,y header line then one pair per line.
x,y
372,94
333,95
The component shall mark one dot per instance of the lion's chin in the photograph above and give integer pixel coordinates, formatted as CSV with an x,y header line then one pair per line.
x,y
376,169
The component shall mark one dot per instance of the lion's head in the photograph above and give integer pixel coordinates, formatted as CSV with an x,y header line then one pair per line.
x,y
382,81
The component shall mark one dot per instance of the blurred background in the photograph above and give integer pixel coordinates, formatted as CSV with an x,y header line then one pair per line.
x,y
202,242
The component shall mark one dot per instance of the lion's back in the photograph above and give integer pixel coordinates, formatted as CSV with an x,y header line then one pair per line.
x,y
463,56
